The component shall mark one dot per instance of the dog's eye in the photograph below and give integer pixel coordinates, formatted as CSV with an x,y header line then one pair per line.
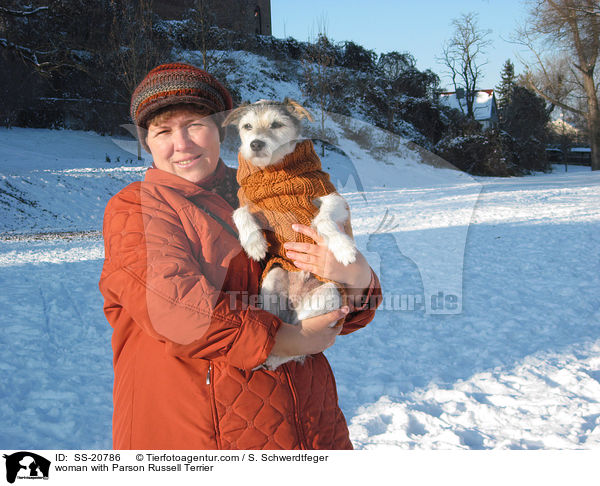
x,y
276,125
247,126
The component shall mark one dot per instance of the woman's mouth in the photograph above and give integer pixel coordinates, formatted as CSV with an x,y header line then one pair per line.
x,y
187,163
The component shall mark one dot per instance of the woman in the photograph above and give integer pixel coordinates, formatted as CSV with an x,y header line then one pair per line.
x,y
178,292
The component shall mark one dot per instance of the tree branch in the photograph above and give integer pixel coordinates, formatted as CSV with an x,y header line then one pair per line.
x,y
554,101
21,13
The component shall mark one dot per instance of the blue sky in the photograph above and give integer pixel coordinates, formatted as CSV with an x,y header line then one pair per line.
x,y
417,27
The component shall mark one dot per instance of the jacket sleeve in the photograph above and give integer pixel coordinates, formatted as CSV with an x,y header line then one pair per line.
x,y
363,311
151,274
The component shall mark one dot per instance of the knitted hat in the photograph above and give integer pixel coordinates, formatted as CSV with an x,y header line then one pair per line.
x,y
175,83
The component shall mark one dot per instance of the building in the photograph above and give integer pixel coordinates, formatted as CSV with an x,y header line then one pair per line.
x,y
248,16
485,107
580,156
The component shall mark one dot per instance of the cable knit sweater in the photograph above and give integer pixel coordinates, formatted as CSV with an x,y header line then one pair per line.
x,y
282,194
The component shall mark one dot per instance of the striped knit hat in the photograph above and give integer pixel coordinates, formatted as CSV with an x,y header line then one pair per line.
x,y
174,83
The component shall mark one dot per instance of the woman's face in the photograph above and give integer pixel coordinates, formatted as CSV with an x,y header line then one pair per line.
x,y
185,144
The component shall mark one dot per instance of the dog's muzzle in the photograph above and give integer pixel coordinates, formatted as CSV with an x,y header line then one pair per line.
x,y
257,145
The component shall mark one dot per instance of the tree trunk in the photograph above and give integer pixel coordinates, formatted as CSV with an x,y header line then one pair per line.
x,y
594,128
470,100
593,120
595,143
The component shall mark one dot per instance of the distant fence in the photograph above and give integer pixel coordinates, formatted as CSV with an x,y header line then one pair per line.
x,y
575,156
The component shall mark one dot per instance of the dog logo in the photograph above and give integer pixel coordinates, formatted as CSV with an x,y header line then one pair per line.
x,y
27,465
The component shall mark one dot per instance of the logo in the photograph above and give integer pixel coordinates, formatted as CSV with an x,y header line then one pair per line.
x,y
26,465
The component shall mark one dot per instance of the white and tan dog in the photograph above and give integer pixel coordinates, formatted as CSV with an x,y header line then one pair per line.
x,y
270,135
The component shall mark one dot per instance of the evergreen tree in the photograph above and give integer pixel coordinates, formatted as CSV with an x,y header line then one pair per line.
x,y
507,85
525,120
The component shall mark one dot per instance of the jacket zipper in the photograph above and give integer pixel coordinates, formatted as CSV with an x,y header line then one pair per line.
x,y
299,430
213,403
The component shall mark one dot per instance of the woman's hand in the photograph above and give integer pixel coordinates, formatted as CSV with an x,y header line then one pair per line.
x,y
318,259
309,336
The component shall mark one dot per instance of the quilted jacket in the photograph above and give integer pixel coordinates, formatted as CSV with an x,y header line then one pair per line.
x,y
179,294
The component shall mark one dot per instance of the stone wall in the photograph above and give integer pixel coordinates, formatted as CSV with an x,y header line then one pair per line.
x,y
249,16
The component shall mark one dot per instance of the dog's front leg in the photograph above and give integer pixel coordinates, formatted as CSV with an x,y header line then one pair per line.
x,y
251,236
333,210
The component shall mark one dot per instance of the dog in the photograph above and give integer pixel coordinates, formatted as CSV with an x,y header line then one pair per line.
x,y
281,182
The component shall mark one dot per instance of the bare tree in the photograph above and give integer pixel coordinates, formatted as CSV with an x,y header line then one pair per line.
x,y
202,20
21,11
392,66
47,39
318,63
462,55
132,45
564,39
43,57
131,42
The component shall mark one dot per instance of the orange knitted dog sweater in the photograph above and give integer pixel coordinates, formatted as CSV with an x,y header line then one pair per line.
x,y
282,194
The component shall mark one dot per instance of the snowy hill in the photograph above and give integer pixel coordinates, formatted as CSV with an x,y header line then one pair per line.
x,y
513,362
59,180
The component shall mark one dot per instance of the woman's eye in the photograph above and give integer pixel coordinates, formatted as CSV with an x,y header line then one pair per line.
x,y
247,126
276,125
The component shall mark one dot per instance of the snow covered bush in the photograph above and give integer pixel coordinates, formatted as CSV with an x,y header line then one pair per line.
x,y
531,153
358,58
478,154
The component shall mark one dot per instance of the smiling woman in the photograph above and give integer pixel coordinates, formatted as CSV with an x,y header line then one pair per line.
x,y
177,285
184,141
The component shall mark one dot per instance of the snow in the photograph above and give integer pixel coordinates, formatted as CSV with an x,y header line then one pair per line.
x,y
254,76
519,368
561,126
515,366
60,180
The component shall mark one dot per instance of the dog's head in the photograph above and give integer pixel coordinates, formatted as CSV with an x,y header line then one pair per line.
x,y
269,129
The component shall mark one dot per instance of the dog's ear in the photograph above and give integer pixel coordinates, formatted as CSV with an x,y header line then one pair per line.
x,y
234,115
295,108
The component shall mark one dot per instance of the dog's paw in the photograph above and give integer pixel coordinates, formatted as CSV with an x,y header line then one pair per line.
x,y
343,248
255,246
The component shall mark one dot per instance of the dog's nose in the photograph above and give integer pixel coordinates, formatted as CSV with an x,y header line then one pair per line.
x,y
257,145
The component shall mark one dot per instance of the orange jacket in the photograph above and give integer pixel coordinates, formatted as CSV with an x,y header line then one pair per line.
x,y
179,294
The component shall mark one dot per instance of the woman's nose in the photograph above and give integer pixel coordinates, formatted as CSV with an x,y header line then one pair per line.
x,y
181,139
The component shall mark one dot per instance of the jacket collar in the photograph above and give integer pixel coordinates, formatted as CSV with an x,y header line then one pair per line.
x,y
183,186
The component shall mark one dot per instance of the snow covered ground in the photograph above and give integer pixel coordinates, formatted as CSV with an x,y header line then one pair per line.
x,y
518,367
